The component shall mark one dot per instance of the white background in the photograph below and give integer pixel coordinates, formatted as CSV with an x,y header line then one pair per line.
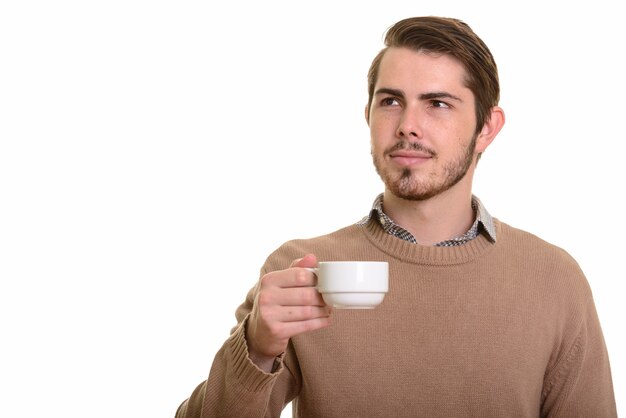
x,y
153,153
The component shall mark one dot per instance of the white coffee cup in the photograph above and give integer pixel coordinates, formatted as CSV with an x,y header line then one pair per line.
x,y
352,284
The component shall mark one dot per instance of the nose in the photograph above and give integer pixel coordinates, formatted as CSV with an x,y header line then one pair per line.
x,y
409,125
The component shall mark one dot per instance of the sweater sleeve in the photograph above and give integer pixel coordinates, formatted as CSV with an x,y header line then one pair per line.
x,y
236,387
580,384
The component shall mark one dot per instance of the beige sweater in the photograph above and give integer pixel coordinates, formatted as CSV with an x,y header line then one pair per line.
x,y
506,329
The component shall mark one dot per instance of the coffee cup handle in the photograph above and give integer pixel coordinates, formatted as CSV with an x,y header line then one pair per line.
x,y
313,270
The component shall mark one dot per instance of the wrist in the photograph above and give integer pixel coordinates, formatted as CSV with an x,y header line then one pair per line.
x,y
263,361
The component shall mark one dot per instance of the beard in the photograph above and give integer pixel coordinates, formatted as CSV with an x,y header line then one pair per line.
x,y
409,185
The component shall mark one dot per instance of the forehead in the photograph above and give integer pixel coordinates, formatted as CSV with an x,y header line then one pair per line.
x,y
404,66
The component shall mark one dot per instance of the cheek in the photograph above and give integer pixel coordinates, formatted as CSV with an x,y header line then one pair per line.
x,y
381,128
374,131
377,145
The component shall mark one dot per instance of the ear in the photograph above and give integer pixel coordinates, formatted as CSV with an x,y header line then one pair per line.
x,y
490,129
367,114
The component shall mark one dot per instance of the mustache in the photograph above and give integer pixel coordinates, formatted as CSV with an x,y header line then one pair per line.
x,y
410,146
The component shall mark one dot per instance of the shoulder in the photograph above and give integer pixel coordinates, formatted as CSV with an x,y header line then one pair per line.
x,y
540,257
528,241
323,246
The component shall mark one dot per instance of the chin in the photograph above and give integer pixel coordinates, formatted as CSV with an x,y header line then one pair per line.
x,y
413,195
406,186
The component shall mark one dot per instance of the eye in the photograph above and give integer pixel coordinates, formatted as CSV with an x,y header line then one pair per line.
x,y
439,104
389,101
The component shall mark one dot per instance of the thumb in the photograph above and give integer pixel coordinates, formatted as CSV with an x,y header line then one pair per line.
x,y
308,260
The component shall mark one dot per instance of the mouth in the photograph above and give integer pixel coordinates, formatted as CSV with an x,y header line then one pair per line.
x,y
405,158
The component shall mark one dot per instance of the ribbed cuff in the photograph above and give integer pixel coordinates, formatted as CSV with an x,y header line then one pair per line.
x,y
246,372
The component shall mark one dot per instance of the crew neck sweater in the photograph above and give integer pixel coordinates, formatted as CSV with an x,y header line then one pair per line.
x,y
485,329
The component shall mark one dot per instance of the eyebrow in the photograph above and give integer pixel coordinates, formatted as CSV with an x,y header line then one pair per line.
x,y
439,95
423,96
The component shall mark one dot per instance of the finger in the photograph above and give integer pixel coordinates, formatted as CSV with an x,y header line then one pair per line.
x,y
297,277
298,296
308,260
294,328
303,313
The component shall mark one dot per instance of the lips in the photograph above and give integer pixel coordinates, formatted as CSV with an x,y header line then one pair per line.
x,y
407,158
409,153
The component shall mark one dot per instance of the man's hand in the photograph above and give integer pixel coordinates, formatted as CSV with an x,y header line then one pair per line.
x,y
287,304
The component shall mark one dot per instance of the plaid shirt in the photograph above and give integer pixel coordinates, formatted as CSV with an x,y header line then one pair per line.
x,y
483,218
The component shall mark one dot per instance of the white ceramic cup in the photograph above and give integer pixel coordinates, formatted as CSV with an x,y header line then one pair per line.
x,y
352,284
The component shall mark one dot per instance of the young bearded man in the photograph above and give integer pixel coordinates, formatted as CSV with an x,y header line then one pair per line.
x,y
481,319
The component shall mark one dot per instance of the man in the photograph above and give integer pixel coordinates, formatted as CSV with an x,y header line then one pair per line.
x,y
481,319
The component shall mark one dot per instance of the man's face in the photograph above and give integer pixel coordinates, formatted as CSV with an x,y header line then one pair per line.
x,y
422,122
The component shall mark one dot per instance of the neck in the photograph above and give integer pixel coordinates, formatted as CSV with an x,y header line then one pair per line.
x,y
445,216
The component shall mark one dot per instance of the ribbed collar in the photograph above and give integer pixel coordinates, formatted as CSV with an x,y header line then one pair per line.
x,y
427,254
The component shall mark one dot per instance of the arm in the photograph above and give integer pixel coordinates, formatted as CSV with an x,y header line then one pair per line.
x,y
248,377
580,383
236,387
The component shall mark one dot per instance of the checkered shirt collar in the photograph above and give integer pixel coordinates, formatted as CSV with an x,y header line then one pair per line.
x,y
483,218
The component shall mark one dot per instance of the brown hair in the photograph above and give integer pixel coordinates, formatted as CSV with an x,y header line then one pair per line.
x,y
452,37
